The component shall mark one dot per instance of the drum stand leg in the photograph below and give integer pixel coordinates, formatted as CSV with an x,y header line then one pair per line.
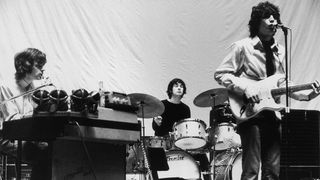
x,y
213,163
145,163
143,141
212,153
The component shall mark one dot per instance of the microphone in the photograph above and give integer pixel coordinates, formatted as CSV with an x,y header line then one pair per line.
x,y
281,26
47,81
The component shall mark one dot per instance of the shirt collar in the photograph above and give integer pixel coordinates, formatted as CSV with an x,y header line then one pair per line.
x,y
257,44
25,85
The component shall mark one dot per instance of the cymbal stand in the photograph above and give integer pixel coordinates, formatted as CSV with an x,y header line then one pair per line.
x,y
141,104
212,153
142,115
145,163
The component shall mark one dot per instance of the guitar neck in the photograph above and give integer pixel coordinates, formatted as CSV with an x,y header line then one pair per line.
x,y
291,89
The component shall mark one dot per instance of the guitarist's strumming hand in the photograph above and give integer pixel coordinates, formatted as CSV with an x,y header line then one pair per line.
x,y
252,93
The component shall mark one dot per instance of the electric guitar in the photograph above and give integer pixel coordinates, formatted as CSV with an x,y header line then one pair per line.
x,y
243,110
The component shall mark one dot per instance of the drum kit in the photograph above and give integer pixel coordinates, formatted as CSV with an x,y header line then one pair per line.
x,y
191,136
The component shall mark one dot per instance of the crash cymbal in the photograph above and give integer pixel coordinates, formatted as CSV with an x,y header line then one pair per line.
x,y
212,97
150,105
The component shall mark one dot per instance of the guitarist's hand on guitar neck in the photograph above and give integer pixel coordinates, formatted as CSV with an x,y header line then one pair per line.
x,y
316,90
316,87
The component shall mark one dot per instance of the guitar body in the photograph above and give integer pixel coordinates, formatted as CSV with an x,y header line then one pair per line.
x,y
243,110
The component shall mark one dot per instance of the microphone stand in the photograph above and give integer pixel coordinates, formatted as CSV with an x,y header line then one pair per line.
x,y
287,110
212,153
145,163
285,31
25,93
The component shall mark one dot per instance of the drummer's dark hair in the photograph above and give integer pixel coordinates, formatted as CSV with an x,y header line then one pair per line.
x,y
173,82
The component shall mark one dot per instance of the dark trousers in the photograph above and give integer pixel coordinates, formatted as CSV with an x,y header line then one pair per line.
x,y
260,139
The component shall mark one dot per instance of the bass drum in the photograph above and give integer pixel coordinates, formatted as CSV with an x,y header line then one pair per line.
x,y
181,165
228,166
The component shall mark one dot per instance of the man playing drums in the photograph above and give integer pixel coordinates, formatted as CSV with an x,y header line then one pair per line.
x,y
175,111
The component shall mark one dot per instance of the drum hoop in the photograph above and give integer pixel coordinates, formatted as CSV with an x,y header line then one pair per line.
x,y
157,137
197,137
184,137
233,160
226,123
191,120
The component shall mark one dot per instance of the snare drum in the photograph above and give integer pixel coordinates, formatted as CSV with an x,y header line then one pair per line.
x,y
190,134
224,136
181,165
158,141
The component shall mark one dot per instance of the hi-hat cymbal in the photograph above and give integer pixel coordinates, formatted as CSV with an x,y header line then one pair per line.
x,y
149,106
212,97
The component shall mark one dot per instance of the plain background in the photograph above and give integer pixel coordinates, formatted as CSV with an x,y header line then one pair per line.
x,y
138,46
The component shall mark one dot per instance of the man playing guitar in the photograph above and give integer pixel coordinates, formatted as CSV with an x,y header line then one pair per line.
x,y
253,72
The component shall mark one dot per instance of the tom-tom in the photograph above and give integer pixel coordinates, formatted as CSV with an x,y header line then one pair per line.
x,y
158,141
223,136
190,134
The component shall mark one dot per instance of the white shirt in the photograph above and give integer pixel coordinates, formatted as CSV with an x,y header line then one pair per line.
x,y
17,108
247,60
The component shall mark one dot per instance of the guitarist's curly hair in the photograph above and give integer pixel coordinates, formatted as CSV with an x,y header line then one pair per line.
x,y
259,12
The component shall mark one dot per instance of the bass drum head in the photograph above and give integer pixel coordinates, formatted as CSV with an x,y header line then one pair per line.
x,y
181,165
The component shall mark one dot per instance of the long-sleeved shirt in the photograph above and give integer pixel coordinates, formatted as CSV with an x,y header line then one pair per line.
x,y
173,113
13,109
247,60
17,108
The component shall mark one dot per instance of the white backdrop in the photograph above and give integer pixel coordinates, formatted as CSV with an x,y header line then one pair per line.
x,y
138,46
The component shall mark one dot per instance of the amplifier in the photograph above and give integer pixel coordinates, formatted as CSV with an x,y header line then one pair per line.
x,y
300,148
